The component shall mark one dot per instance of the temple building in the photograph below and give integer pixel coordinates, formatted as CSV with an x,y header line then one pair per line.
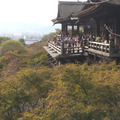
x,y
106,15
65,17
99,23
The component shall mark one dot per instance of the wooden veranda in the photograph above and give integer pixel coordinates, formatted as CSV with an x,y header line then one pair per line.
x,y
105,17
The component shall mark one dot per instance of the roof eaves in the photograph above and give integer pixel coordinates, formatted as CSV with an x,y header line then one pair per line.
x,y
86,11
70,3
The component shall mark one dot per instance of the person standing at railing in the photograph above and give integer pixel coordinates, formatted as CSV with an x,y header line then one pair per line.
x,y
104,40
55,39
69,41
73,42
62,35
58,43
81,43
98,39
90,37
80,38
65,40
76,40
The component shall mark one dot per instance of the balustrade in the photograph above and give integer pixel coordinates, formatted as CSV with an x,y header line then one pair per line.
x,y
103,47
65,49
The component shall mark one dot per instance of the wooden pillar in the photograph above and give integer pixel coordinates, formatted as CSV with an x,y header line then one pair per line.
x,y
84,29
72,30
66,29
117,30
77,29
63,27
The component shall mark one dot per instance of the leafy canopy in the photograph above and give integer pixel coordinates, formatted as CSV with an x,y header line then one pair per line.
x,y
12,45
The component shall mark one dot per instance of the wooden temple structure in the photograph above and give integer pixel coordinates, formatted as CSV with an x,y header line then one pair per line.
x,y
65,17
107,18
103,36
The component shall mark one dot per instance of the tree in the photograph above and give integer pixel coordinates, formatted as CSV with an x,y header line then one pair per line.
x,y
50,35
23,92
12,45
3,39
22,41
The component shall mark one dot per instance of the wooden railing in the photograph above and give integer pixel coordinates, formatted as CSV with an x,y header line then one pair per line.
x,y
64,50
103,47
55,47
72,50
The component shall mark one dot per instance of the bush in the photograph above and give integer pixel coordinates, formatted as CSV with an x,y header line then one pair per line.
x,y
12,45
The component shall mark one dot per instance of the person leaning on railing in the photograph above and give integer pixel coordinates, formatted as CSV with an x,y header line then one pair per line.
x,y
98,39
104,40
55,39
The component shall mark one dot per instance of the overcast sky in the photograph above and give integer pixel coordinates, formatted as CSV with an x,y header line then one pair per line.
x,y
30,11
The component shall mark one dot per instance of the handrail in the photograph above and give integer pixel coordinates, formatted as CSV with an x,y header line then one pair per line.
x,y
103,47
73,50
55,47
99,43
64,50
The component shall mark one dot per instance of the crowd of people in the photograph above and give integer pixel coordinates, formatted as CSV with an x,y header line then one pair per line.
x,y
68,40
77,41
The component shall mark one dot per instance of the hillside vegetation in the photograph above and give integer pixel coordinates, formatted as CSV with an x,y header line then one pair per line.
x,y
31,90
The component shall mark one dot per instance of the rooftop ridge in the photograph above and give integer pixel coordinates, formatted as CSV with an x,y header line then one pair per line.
x,y
71,3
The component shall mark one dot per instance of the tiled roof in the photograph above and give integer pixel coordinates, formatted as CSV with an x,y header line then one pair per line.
x,y
91,7
67,8
116,2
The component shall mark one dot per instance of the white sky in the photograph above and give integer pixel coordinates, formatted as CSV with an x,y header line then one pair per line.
x,y
32,11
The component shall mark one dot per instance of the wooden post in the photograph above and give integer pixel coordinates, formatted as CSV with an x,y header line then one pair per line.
x,y
66,29
72,30
83,46
63,27
78,29
59,62
73,50
106,49
110,47
119,49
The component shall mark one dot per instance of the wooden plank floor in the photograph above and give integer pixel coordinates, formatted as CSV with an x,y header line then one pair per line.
x,y
51,52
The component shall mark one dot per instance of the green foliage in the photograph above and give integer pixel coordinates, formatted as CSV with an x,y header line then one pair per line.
x,y
31,91
12,45
3,39
22,41
50,35
85,93
38,59
11,62
23,92
35,47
